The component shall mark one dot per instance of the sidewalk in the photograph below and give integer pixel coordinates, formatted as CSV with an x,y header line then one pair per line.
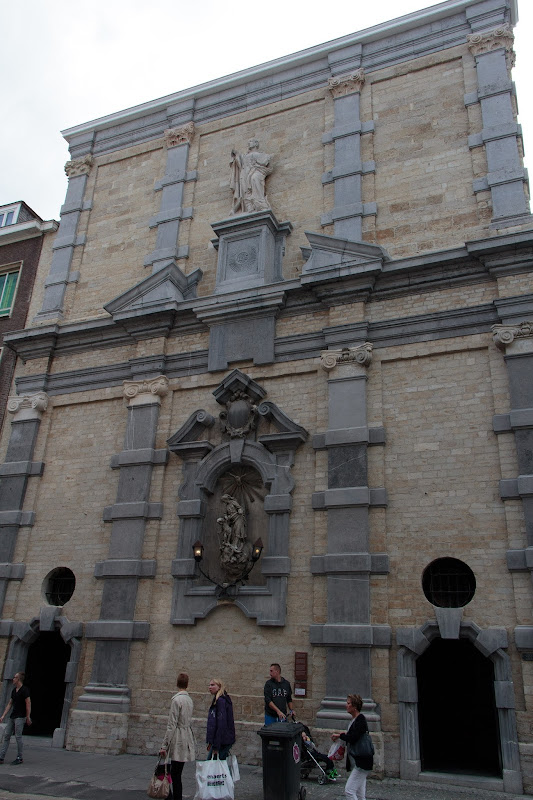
x,y
50,772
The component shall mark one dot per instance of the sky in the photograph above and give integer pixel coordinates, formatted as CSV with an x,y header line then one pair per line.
x,y
66,62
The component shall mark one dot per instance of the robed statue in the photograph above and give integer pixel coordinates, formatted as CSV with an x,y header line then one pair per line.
x,y
235,549
248,175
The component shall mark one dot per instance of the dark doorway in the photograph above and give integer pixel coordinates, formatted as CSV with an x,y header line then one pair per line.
x,y
457,714
45,677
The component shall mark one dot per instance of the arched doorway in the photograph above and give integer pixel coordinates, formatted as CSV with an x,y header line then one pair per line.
x,y
46,664
457,715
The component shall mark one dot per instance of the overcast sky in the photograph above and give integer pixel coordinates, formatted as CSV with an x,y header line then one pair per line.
x,y
66,62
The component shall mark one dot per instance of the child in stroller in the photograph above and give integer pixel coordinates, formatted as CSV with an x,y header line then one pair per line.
x,y
311,758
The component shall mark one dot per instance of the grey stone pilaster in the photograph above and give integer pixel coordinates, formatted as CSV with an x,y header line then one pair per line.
x,y
116,628
14,474
348,634
506,175
347,173
172,185
66,240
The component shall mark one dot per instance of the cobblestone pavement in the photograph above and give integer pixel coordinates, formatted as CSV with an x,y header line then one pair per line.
x,y
52,773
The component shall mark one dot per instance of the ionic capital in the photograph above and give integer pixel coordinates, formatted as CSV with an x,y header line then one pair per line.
x,y
80,166
27,406
181,135
342,85
360,355
486,41
505,335
145,392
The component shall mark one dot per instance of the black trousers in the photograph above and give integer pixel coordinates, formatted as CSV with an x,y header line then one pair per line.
x,y
176,768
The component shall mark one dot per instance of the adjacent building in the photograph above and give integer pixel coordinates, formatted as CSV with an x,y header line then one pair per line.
x,y
274,403
22,233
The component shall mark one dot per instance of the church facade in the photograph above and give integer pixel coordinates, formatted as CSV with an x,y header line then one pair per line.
x,y
273,403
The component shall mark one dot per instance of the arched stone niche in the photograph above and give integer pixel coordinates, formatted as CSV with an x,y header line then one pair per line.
x,y
491,642
255,436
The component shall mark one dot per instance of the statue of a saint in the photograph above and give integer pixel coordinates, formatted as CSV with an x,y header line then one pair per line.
x,y
235,549
248,174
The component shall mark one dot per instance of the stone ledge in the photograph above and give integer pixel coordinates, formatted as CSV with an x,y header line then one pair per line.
x,y
350,635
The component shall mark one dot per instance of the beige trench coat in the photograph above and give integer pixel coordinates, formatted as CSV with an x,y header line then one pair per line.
x,y
179,734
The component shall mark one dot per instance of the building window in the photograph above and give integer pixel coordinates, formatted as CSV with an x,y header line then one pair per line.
x,y
9,215
448,583
59,585
8,286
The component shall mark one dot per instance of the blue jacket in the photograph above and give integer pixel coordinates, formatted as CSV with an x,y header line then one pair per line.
x,y
220,725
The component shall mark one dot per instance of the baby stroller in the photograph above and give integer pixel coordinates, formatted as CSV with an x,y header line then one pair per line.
x,y
311,760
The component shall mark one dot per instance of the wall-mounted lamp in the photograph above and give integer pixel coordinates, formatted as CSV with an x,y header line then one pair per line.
x,y
222,589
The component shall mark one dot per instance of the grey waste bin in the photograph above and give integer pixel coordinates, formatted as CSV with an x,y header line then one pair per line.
x,y
282,754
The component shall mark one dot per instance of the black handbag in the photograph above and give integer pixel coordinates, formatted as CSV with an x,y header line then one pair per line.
x,y
363,747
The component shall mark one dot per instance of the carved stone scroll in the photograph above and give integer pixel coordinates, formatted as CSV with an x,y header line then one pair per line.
x,y
342,85
487,41
362,355
504,335
146,391
28,406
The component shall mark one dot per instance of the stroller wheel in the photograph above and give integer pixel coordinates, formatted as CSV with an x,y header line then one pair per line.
x,y
322,779
302,794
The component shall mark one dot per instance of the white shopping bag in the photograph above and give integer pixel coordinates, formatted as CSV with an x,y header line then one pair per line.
x,y
213,780
336,751
234,768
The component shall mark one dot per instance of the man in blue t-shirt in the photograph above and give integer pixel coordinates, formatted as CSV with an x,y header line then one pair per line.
x,y
278,697
21,704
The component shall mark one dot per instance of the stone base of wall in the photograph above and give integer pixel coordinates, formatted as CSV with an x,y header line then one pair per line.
x,y
142,734
97,732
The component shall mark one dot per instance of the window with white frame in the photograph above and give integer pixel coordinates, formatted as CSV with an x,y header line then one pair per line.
x,y
9,215
8,287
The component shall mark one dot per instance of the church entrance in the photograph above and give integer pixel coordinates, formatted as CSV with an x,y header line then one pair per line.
x,y
46,663
457,714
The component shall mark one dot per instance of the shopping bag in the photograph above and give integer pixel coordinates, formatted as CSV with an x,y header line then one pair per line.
x,y
234,768
213,780
159,786
336,751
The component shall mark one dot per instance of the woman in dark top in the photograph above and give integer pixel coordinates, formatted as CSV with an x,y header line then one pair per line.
x,y
220,726
359,766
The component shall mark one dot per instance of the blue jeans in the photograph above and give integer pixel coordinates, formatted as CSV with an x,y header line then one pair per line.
x,y
15,726
270,720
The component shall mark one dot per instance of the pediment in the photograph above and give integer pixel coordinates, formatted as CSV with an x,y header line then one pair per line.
x,y
162,291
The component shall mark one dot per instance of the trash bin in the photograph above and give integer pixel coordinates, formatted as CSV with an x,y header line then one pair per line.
x,y
282,754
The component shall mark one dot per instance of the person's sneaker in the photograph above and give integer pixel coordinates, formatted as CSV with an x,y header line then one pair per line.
x,y
18,760
332,775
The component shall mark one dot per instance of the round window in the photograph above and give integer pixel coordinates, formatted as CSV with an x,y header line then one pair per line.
x,y
58,586
448,583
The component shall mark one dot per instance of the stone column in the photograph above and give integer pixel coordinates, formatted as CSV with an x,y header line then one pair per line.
x,y
506,177
516,341
27,411
66,240
116,629
171,186
348,634
347,174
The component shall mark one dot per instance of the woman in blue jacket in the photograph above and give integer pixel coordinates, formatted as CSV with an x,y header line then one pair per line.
x,y
220,725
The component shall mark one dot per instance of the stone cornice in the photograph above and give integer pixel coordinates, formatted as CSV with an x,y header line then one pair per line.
x,y
78,166
182,135
342,85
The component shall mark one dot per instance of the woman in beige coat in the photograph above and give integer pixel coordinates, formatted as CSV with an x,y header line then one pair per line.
x,y
179,738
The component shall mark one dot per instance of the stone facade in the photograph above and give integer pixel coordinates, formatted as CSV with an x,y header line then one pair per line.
x,y
355,359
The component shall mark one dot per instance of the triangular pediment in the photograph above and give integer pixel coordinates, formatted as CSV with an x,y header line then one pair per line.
x,y
162,291
330,252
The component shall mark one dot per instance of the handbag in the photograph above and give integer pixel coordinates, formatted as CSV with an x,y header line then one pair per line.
x,y
159,786
363,747
234,768
213,780
336,751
